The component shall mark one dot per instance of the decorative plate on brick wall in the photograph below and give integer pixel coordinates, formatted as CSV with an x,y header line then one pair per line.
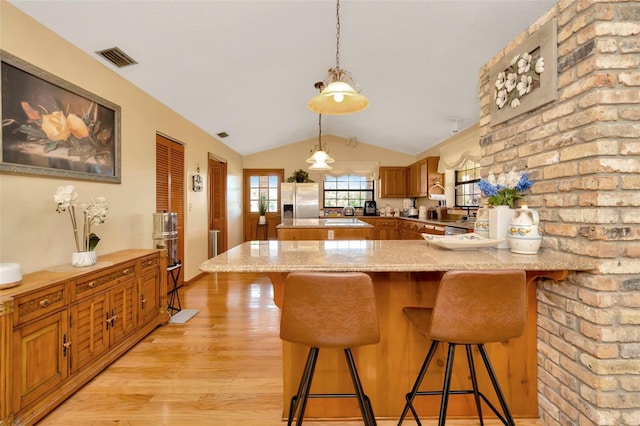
x,y
527,76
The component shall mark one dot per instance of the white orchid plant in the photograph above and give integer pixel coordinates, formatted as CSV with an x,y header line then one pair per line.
x,y
518,79
94,213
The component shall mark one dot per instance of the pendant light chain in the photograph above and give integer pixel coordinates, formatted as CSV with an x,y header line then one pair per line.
x,y
320,132
337,36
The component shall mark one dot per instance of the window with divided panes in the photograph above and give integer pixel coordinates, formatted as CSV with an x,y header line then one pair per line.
x,y
467,191
348,190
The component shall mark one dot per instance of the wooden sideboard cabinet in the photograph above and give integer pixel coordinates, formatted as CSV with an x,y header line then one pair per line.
x,y
64,325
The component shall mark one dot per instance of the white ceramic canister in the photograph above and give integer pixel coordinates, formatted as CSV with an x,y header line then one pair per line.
x,y
481,225
524,231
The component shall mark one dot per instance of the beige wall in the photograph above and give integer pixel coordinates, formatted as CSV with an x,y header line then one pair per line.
x,y
33,234
583,153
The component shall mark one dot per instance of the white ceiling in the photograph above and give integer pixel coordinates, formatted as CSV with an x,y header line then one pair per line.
x,y
248,67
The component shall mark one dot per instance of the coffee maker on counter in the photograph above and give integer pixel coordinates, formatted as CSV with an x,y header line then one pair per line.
x,y
370,208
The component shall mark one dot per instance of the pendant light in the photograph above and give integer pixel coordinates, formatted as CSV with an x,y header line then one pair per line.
x,y
319,158
339,97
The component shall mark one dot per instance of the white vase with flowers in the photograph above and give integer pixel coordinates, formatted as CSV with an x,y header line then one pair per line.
x,y
503,192
93,213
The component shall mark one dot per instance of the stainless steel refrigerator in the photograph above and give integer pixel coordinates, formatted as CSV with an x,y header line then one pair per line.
x,y
300,200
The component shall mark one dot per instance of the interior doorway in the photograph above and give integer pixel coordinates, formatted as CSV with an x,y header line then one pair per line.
x,y
217,173
170,185
261,183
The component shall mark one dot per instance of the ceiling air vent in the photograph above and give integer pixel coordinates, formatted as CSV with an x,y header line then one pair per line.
x,y
117,57
222,134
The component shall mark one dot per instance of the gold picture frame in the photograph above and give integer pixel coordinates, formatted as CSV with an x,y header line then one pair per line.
x,y
516,86
53,128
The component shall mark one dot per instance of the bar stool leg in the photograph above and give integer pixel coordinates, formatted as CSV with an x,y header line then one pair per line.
x,y
446,385
301,397
363,400
416,386
474,382
492,375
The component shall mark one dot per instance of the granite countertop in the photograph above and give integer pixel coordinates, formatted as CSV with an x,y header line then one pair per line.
x,y
343,222
382,256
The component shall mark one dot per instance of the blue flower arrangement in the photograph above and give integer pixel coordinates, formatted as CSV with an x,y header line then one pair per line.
x,y
506,189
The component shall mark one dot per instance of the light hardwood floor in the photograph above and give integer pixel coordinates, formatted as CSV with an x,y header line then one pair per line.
x,y
222,367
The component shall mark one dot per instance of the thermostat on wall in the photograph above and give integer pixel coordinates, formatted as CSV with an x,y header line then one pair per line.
x,y
196,183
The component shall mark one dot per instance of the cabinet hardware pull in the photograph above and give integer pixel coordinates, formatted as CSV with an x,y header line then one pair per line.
x,y
126,271
92,284
45,303
65,345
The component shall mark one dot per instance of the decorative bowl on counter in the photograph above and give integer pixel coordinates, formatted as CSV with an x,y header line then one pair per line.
x,y
461,241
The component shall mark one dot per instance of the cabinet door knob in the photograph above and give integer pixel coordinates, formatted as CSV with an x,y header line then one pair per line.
x,y
45,303
91,284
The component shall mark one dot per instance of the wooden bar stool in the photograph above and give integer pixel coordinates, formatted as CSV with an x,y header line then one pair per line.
x,y
333,310
471,308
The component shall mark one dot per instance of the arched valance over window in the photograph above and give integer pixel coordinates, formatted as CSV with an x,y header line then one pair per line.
x,y
464,146
360,168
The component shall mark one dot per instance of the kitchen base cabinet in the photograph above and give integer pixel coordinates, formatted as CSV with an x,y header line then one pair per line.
x,y
384,227
62,326
306,234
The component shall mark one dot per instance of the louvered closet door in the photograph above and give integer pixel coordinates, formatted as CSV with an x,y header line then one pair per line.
x,y
170,185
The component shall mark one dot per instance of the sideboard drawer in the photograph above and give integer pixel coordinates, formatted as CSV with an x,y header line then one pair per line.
x,y
35,305
95,283
149,263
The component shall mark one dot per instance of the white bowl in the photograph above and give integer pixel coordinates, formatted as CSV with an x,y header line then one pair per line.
x,y
10,275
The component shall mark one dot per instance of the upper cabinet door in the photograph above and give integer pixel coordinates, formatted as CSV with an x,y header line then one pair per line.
x,y
393,182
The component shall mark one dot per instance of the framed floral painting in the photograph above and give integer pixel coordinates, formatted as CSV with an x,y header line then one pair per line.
x,y
527,77
53,128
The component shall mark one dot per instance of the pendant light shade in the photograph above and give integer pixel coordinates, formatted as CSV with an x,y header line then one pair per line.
x,y
340,95
338,98
319,158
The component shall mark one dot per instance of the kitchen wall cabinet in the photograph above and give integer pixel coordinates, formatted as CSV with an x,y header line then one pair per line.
x,y
414,181
61,327
417,179
393,182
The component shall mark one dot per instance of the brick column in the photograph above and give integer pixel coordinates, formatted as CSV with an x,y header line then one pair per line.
x,y
583,151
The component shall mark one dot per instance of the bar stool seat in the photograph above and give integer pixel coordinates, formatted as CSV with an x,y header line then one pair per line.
x,y
333,310
471,308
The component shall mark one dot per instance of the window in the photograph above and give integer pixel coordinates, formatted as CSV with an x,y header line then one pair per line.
x,y
266,186
467,191
348,190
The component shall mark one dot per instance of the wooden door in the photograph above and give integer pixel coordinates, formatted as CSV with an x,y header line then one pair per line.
x,y
393,182
89,335
261,182
148,298
123,310
218,200
170,184
40,358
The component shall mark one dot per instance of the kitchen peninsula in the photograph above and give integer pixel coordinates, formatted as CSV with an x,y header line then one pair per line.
x,y
405,273
324,229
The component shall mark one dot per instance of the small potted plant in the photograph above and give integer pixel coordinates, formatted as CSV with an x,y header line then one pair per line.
x,y
299,176
263,206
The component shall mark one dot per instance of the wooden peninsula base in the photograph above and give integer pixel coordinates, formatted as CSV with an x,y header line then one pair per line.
x,y
389,368
404,273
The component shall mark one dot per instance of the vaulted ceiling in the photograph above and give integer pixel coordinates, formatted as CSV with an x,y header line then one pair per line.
x,y
248,68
